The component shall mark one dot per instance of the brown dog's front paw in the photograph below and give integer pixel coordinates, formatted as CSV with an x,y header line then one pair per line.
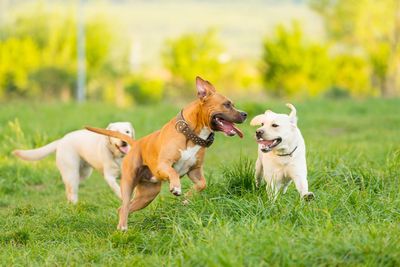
x,y
177,191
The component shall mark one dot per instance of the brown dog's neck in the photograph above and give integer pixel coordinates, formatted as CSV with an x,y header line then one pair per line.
x,y
196,117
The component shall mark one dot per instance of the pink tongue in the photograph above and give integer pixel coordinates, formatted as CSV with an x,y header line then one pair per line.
x,y
238,131
228,127
124,149
266,142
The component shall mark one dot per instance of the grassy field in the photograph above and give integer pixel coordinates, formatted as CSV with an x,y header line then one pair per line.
x,y
354,170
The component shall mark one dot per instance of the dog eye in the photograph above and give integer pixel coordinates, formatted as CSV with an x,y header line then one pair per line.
x,y
127,132
228,104
262,124
274,125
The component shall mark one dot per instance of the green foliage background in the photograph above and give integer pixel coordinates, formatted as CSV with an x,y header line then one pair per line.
x,y
357,57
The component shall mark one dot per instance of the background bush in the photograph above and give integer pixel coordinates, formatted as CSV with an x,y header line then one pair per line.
x,y
191,55
146,90
294,66
39,55
356,58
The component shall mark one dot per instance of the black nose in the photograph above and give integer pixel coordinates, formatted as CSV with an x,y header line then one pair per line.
x,y
259,133
244,115
124,143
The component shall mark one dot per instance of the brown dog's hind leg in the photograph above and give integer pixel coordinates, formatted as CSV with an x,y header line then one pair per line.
x,y
197,177
129,180
145,193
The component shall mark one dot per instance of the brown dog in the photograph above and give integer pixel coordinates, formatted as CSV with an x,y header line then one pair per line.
x,y
175,150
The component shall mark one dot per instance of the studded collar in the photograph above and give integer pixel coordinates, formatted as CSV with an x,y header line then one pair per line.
x,y
183,127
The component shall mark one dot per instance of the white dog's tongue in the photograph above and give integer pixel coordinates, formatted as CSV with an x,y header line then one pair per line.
x,y
124,149
266,142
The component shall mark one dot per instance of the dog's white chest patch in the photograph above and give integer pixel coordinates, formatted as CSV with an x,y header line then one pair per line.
x,y
188,156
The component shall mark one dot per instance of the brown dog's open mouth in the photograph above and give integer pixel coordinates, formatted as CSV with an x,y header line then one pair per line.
x,y
268,145
227,127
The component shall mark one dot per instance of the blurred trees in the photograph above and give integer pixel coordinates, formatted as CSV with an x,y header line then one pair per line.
x,y
294,66
18,58
146,90
193,54
38,56
361,57
372,27
203,54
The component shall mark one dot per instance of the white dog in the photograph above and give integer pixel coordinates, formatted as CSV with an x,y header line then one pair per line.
x,y
78,152
282,153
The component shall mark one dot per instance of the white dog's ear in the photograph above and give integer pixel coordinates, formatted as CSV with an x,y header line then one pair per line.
x,y
109,126
293,113
132,130
257,120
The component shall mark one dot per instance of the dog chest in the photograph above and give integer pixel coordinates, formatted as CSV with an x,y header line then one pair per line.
x,y
189,155
187,160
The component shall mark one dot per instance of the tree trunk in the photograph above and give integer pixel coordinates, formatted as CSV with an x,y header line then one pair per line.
x,y
391,86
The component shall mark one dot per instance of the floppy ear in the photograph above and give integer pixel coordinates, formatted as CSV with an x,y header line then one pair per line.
x,y
132,130
257,120
204,88
109,126
293,113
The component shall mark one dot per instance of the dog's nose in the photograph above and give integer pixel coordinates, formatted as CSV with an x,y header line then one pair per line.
x,y
259,133
124,143
243,114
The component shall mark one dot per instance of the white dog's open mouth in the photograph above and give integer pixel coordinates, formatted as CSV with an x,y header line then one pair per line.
x,y
268,145
124,148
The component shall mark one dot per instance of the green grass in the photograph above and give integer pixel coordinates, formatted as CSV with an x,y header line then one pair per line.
x,y
354,170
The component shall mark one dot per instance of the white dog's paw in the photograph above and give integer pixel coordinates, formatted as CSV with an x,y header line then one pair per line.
x,y
308,196
177,191
73,200
122,227
186,202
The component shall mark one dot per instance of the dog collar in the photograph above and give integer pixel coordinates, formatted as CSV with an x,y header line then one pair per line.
x,y
183,127
288,154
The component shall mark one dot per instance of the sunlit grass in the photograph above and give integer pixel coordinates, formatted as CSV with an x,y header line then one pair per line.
x,y
354,170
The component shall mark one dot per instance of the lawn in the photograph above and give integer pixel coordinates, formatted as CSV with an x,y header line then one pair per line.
x,y
354,170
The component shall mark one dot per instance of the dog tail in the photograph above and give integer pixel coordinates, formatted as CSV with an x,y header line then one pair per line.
x,y
115,134
38,153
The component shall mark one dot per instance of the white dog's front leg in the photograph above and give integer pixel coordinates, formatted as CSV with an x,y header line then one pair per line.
x,y
302,187
274,186
285,187
111,180
259,172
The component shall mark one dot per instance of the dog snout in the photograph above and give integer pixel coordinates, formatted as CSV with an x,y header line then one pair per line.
x,y
243,114
124,144
259,133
